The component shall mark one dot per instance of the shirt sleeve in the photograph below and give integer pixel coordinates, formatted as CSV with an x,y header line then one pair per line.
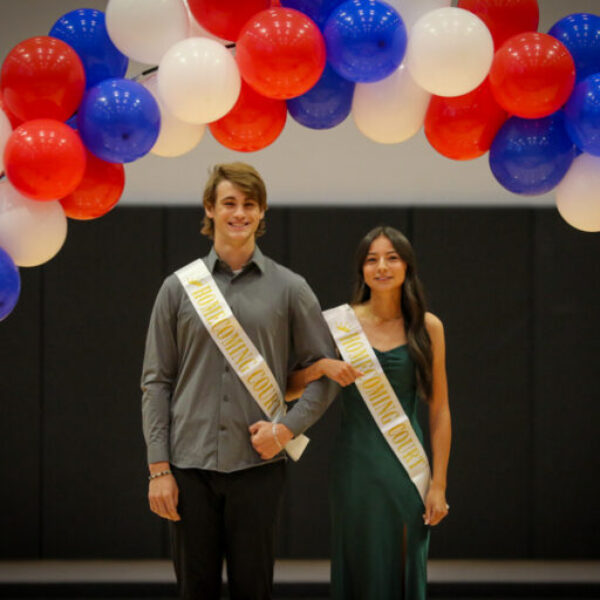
x,y
311,341
159,373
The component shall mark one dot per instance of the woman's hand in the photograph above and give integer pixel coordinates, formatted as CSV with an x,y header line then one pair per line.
x,y
341,372
337,370
436,507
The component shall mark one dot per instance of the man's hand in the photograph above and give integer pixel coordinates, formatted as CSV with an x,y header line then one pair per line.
x,y
265,435
163,493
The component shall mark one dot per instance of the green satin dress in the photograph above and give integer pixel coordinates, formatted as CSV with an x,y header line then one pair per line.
x,y
379,540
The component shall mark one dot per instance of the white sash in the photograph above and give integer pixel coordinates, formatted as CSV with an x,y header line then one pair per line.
x,y
378,395
236,346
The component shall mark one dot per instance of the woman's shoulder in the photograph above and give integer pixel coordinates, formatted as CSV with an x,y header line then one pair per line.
x,y
435,329
433,323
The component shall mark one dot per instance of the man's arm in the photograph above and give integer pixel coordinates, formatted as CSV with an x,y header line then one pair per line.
x,y
311,341
158,376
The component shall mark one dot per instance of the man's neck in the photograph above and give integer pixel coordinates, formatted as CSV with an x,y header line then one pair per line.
x,y
235,256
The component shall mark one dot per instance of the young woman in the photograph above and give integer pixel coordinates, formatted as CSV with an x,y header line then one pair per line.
x,y
380,522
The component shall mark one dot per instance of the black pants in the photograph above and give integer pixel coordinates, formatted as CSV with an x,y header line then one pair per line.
x,y
232,516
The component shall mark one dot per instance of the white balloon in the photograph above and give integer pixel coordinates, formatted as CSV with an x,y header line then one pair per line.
x,y
391,110
199,80
412,10
31,231
176,137
578,194
450,51
196,30
145,29
5,131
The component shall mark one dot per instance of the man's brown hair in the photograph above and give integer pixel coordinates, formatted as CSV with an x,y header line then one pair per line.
x,y
244,177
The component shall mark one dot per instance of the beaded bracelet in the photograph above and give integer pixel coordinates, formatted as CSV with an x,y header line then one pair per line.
x,y
155,475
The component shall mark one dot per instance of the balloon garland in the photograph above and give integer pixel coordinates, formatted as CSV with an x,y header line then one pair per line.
x,y
478,77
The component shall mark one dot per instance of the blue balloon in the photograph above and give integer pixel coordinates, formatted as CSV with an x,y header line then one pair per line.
x,y
366,40
317,10
10,284
580,33
326,104
84,30
118,120
531,156
582,113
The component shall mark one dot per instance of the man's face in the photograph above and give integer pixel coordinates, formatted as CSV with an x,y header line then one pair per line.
x,y
235,216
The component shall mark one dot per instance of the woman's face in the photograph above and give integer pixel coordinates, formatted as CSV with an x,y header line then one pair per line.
x,y
383,269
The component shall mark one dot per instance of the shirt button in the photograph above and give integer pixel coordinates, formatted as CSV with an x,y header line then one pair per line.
x,y
226,368
225,398
222,428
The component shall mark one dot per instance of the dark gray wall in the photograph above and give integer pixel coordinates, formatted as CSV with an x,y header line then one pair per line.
x,y
518,291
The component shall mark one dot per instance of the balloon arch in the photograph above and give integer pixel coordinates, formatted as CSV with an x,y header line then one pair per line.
x,y
478,77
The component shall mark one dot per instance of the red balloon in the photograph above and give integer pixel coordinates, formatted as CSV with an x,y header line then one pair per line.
x,y
505,18
464,127
225,18
98,192
44,159
252,124
532,75
281,53
14,120
42,78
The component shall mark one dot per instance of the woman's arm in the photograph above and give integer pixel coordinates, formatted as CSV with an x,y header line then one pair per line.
x,y
338,370
440,427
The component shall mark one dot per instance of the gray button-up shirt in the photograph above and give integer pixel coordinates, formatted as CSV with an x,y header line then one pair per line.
x,y
196,411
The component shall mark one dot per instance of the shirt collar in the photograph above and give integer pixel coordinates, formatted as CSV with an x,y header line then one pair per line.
x,y
258,259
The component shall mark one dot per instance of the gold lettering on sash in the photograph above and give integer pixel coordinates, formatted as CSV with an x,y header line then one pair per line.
x,y
207,302
358,354
412,454
239,354
236,346
379,396
213,312
203,293
348,341
223,329
365,367
402,440
387,413
375,387
238,350
263,388
399,435
354,345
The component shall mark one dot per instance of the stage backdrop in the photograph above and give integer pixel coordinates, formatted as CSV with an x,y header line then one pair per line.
x,y
517,289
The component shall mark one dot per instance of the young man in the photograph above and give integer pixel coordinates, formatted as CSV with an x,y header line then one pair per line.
x,y
216,461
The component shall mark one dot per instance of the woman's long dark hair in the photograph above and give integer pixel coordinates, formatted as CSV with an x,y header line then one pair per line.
x,y
412,305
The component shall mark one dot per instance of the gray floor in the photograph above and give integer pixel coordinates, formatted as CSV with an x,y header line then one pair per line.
x,y
299,571
298,579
